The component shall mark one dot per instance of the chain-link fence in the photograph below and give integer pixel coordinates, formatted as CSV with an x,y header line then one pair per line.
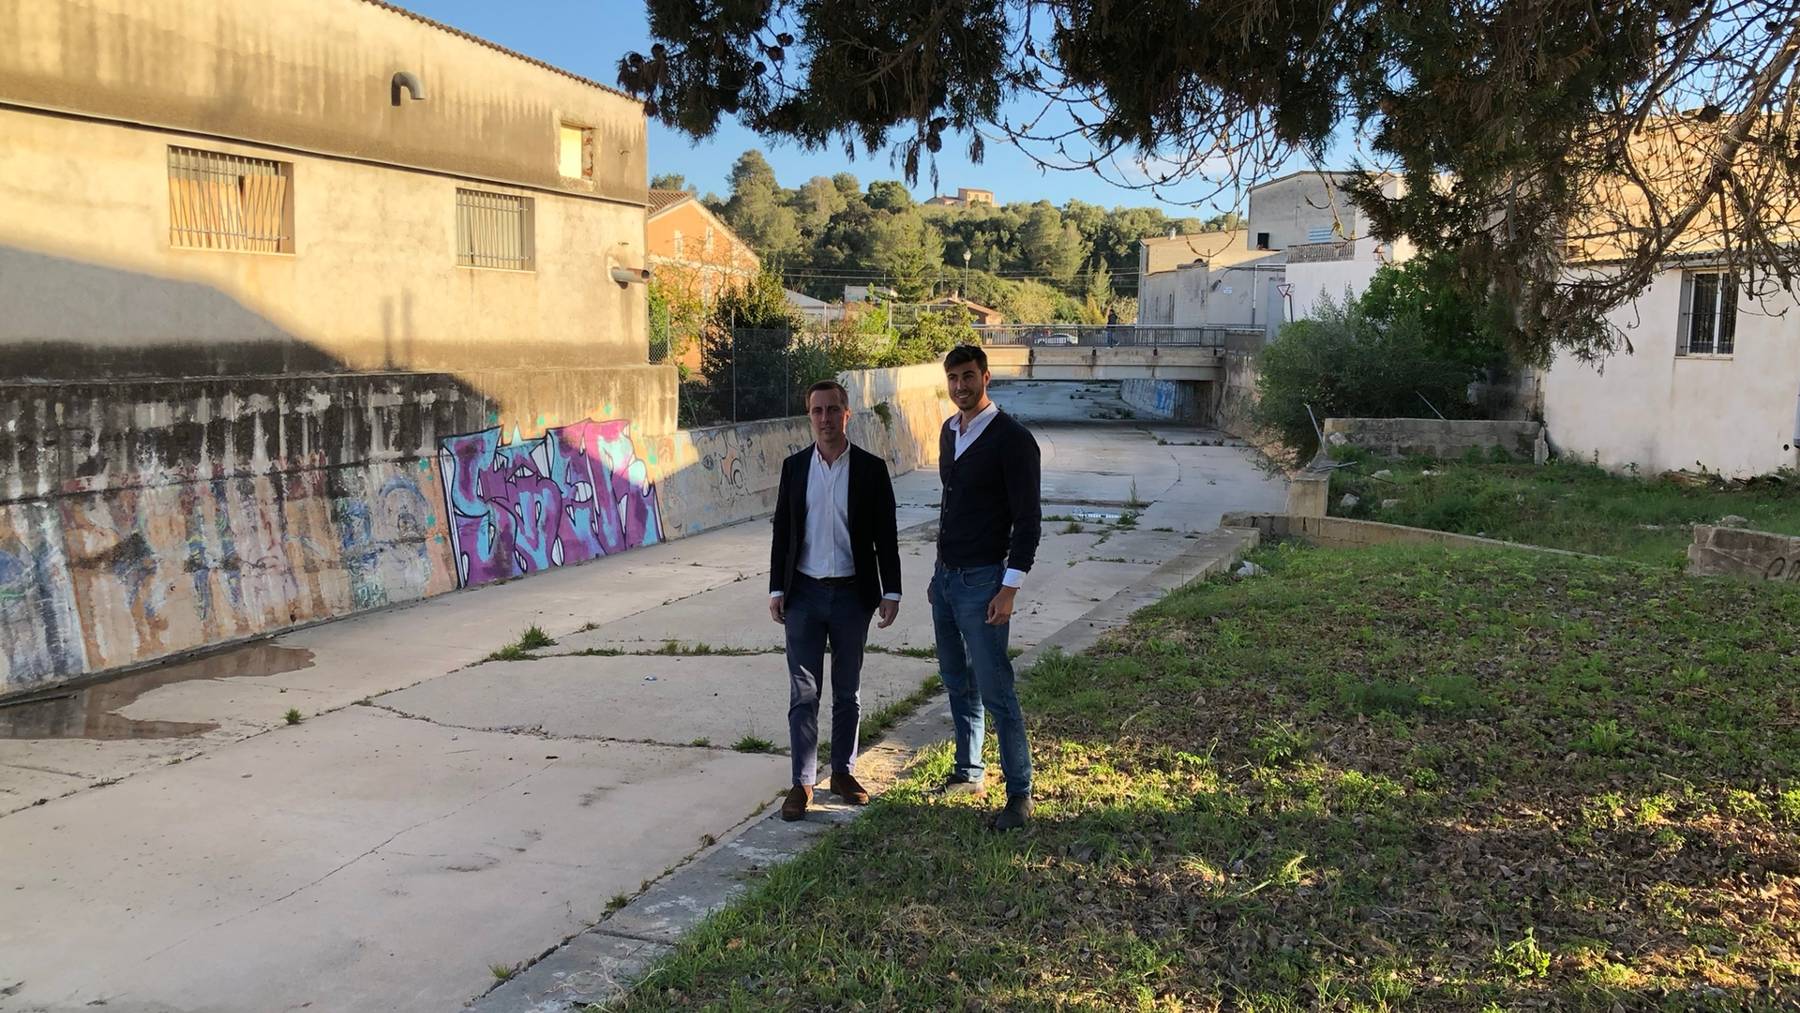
x,y
749,373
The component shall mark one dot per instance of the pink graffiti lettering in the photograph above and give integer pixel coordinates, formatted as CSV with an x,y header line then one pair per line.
x,y
573,494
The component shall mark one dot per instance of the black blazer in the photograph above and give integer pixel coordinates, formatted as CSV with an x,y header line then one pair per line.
x,y
874,530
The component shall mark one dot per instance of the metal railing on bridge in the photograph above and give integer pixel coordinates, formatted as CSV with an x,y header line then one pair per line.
x,y
1243,338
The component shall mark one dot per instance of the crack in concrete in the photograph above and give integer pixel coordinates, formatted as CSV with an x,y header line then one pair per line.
x,y
538,732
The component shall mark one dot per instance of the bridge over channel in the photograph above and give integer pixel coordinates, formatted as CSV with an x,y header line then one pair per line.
x,y
1185,363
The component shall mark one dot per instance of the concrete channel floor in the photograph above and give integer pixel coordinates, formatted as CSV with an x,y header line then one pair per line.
x,y
432,817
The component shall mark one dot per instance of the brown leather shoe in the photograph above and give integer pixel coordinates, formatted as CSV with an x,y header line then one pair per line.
x,y
794,806
845,786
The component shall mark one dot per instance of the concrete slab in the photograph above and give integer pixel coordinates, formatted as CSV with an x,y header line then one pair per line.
x,y
362,849
671,700
593,968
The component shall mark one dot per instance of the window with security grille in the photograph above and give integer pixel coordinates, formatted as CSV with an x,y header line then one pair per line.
x,y
493,230
230,202
1708,314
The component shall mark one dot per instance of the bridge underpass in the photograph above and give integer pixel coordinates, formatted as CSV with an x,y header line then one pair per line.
x,y
1173,382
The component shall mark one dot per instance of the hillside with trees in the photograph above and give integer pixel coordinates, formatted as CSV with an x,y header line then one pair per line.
x,y
1035,262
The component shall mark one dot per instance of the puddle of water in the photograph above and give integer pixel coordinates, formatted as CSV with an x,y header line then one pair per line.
x,y
91,712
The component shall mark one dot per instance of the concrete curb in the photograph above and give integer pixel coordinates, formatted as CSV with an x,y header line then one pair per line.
x,y
604,962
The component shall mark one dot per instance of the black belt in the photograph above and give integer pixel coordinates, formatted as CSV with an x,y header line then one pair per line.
x,y
831,581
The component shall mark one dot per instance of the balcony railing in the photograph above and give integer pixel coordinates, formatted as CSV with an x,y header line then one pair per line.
x,y
1123,335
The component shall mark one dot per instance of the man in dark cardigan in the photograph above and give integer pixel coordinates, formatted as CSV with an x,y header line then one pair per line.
x,y
988,530
834,562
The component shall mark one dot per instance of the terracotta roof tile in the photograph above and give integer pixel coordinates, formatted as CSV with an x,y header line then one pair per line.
x,y
662,200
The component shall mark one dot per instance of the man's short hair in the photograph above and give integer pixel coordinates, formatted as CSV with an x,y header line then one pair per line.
x,y
966,353
843,394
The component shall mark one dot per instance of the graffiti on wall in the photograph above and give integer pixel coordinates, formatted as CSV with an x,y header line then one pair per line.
x,y
40,633
577,492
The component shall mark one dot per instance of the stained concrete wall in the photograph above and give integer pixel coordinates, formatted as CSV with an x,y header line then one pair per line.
x,y
1176,400
93,95
316,76
1648,408
1435,437
206,511
93,287
1759,555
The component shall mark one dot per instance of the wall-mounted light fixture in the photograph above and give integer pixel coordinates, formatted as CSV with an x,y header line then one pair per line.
x,y
410,81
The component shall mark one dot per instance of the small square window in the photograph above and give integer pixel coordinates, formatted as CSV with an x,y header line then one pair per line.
x,y
1708,324
575,152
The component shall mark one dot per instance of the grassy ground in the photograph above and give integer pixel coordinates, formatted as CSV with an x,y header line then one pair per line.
x,y
1389,779
1562,505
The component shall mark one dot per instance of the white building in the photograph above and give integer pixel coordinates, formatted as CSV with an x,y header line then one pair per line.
x,y
1712,381
1303,241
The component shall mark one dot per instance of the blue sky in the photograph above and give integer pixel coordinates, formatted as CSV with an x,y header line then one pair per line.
x,y
588,37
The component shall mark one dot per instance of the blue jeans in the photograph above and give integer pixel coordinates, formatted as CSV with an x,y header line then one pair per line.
x,y
976,671
816,613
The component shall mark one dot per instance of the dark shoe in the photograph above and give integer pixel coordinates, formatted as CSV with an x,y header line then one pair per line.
x,y
794,806
1017,812
956,784
845,786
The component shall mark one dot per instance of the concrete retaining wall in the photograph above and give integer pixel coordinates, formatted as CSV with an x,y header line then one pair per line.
x,y
1436,437
1343,532
146,519
1763,555
1177,400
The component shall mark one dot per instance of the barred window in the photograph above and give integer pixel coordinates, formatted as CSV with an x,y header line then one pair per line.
x,y
493,230
229,202
1708,324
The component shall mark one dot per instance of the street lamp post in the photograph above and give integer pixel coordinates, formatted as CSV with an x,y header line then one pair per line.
x,y
966,256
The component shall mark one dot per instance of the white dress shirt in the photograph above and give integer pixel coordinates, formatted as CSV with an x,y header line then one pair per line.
x,y
825,542
1012,577
825,545
982,418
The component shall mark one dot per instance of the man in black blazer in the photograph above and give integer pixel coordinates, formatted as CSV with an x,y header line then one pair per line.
x,y
835,562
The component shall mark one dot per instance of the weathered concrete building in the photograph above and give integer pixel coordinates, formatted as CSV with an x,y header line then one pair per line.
x,y
305,308
1711,381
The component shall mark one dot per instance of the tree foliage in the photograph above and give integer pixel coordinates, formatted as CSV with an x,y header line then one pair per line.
x,y
1557,153
831,232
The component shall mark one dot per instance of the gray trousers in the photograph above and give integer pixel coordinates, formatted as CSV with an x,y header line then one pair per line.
x,y
816,614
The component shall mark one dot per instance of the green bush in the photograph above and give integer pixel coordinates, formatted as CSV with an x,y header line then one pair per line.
x,y
1346,364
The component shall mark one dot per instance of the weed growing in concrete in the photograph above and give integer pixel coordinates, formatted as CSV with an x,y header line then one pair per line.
x,y
1131,498
618,901
511,652
904,652
753,744
534,638
708,840
1074,528
701,743
293,716
503,972
1129,518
